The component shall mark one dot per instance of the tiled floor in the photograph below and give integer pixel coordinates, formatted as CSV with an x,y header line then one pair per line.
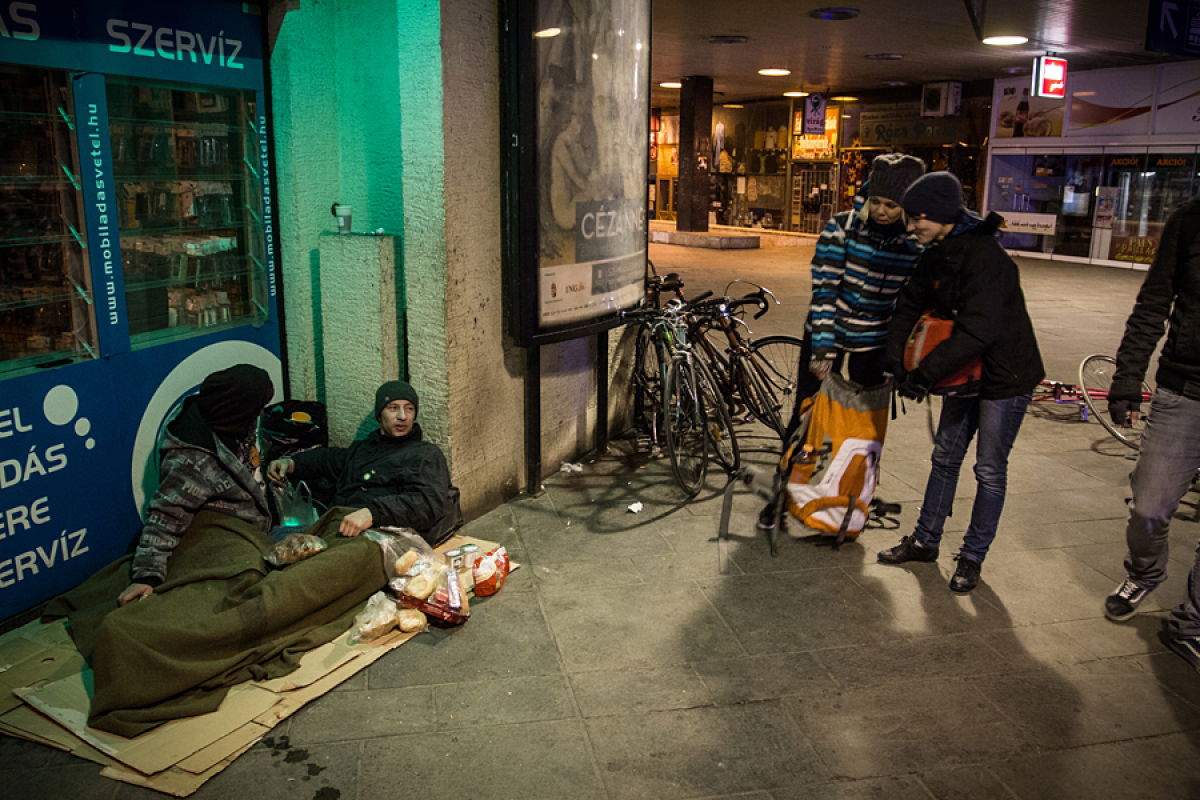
x,y
623,661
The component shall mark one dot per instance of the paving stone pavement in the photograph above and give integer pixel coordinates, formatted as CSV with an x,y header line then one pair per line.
x,y
627,659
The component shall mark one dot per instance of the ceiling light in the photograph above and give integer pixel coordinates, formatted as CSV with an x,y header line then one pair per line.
x,y
671,85
547,33
895,83
728,38
834,13
1005,41
1015,70
795,94
774,71
844,98
732,105
883,56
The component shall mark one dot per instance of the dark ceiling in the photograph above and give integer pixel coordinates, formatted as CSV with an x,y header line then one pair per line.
x,y
934,39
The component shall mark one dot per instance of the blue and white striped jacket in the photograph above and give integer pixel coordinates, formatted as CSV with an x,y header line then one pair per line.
x,y
857,271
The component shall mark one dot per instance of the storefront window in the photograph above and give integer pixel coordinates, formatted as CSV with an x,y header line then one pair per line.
x,y
1144,190
46,315
190,208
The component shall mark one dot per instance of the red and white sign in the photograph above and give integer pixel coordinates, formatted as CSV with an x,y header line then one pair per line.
x,y
1049,76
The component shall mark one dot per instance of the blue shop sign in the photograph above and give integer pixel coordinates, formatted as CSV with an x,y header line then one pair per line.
x,y
217,42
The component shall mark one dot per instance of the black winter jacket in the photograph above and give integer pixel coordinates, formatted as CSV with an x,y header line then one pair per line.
x,y
1172,286
403,481
969,278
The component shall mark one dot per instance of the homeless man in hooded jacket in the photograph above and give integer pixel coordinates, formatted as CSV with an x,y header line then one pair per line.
x,y
391,478
208,461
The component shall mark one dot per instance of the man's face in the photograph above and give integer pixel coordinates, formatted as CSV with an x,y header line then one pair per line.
x,y
926,231
883,211
397,418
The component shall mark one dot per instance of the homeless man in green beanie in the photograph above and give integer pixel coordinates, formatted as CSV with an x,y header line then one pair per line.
x,y
391,478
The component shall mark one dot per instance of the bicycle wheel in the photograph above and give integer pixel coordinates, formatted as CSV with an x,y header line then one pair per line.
x,y
779,357
1095,379
758,395
721,436
648,370
685,426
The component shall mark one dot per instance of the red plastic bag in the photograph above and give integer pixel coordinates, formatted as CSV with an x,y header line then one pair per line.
x,y
490,570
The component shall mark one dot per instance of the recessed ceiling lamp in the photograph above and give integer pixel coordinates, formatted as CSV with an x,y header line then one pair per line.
x,y
728,38
883,56
833,13
1015,70
547,33
795,94
844,98
671,85
732,105
774,71
895,83
1005,41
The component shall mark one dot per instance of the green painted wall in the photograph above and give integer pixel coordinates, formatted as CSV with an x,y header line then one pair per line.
x,y
357,105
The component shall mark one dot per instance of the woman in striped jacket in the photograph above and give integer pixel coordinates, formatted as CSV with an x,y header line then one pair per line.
x,y
863,258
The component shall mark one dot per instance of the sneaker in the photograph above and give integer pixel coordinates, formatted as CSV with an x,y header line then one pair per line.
x,y
1186,647
966,575
909,549
1122,603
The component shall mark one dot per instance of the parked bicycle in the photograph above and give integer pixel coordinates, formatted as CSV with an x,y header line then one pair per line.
x,y
756,377
676,394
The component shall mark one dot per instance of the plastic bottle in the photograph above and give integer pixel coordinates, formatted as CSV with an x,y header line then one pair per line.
x,y
1022,114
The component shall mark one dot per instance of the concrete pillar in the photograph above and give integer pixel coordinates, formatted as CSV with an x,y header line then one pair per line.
x,y
363,349
695,152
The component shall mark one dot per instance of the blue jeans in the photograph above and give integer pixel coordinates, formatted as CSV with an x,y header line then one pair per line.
x,y
997,423
1166,465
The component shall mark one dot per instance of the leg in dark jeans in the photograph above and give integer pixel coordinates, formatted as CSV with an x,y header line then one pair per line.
x,y
956,427
999,423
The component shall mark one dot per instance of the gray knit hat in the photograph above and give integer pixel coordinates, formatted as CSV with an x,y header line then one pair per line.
x,y
937,196
892,173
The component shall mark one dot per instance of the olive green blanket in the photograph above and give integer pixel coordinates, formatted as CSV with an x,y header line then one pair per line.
x,y
221,617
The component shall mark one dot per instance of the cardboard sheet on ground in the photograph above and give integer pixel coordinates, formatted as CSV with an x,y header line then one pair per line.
x,y
40,668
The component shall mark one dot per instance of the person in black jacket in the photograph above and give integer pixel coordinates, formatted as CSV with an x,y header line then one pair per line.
x,y
1170,450
391,478
965,275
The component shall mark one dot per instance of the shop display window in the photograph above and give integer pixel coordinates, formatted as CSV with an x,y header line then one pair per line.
x,y
46,311
1143,190
184,159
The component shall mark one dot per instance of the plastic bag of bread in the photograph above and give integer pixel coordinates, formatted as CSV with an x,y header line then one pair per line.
x,y
294,547
411,620
406,553
379,615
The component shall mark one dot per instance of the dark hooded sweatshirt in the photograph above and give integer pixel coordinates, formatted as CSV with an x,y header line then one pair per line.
x,y
969,278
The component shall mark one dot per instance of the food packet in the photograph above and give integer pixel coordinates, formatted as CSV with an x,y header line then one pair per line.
x,y
378,616
443,606
294,547
489,572
404,551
